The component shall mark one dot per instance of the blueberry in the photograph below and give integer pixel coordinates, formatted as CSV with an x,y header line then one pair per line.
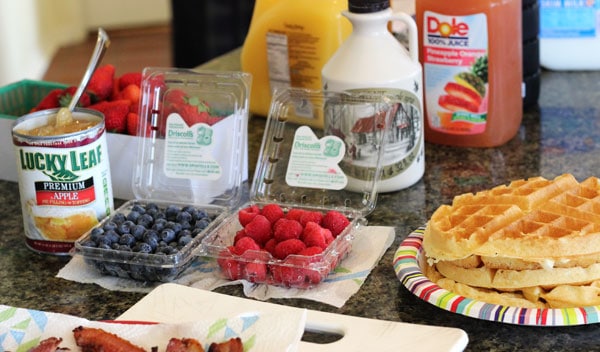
x,y
109,225
96,231
183,216
125,227
127,239
184,240
89,243
175,226
118,218
172,211
133,216
167,235
104,246
111,236
124,248
152,206
202,224
151,237
142,247
145,220
199,214
159,224
189,208
138,208
138,231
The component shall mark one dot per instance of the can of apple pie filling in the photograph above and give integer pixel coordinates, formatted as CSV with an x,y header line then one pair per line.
x,y
64,177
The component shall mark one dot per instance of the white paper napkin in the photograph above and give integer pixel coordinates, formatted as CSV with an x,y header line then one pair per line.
x,y
21,329
369,245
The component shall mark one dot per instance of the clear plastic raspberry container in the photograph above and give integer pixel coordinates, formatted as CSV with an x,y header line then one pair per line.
x,y
309,168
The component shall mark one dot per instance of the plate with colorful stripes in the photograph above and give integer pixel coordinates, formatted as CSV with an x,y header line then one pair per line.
x,y
409,260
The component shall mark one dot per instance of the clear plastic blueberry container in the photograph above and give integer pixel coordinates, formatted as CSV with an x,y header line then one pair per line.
x,y
311,169
184,158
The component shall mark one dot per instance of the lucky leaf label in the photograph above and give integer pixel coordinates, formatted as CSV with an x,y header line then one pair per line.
x,y
314,162
189,150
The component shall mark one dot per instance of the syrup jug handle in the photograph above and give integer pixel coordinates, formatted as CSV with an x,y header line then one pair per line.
x,y
413,40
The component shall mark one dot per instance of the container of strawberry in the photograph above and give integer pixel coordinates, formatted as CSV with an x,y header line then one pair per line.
x,y
187,177
311,190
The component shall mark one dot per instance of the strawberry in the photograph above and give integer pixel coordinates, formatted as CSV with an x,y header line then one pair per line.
x,y
130,78
102,82
67,95
131,93
50,101
115,114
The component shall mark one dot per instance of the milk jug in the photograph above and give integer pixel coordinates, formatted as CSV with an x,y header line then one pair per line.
x,y
372,60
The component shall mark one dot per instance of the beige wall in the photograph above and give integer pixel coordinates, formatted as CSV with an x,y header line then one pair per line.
x,y
32,30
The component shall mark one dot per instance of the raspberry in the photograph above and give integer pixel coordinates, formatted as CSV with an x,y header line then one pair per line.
x,y
241,233
309,216
247,214
314,235
295,214
259,229
245,244
270,246
255,272
230,267
287,276
273,212
310,251
285,229
335,221
288,247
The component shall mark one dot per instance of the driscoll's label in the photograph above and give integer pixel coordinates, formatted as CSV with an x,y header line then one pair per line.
x,y
65,190
455,65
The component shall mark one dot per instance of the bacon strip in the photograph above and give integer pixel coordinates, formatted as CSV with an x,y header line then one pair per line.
x,y
232,345
98,340
50,344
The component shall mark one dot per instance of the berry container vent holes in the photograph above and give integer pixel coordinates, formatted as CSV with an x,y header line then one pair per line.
x,y
322,173
190,165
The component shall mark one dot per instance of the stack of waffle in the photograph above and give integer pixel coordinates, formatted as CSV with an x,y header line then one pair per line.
x,y
532,243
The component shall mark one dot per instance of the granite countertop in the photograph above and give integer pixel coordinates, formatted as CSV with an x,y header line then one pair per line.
x,y
562,135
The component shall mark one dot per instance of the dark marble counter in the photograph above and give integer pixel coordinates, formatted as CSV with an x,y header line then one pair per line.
x,y
561,135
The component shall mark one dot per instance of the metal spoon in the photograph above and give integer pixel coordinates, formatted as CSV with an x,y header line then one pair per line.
x,y
101,44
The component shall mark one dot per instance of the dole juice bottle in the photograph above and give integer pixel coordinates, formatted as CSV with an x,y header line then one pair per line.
x,y
471,52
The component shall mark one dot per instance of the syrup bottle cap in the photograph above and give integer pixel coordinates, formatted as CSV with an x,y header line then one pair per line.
x,y
367,6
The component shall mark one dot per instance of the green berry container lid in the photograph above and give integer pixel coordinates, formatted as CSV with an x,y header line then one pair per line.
x,y
193,129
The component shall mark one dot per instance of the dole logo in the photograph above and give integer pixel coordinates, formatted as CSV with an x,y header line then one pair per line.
x,y
445,29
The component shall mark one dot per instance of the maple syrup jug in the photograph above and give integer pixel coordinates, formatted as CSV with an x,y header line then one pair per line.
x,y
372,60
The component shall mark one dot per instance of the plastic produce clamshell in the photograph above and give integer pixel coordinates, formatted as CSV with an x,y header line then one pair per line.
x,y
176,164
299,167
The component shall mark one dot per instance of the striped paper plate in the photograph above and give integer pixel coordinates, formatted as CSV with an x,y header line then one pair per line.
x,y
407,265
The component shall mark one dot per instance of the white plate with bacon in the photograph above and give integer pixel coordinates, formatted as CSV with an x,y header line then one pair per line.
x,y
171,303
